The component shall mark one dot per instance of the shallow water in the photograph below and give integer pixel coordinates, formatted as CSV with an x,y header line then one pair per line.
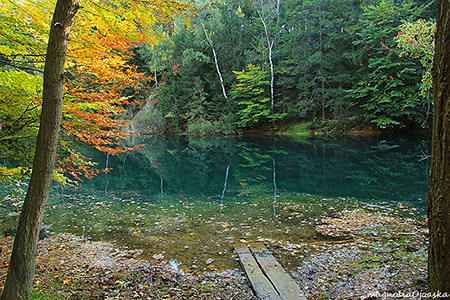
x,y
192,199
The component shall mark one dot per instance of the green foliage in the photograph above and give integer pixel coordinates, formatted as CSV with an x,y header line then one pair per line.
x,y
19,115
297,130
19,103
23,33
332,60
416,39
389,91
205,127
251,96
314,67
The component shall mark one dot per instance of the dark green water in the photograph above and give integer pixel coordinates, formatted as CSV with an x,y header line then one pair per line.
x,y
192,199
372,170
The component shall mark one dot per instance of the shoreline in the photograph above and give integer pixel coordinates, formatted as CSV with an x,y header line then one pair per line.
x,y
372,252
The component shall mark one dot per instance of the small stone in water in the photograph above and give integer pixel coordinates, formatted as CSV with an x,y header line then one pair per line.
x,y
158,256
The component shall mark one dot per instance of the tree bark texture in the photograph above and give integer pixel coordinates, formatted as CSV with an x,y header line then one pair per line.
x,y
19,282
438,201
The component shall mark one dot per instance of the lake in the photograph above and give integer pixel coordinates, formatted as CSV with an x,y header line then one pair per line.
x,y
189,199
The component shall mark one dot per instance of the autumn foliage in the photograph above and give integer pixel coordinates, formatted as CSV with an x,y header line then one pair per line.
x,y
99,82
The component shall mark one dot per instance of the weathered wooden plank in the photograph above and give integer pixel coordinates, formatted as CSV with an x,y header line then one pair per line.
x,y
262,286
283,283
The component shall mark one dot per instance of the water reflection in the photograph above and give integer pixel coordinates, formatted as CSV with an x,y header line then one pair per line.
x,y
392,170
193,199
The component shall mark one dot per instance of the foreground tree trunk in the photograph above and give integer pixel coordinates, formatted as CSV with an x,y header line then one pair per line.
x,y
21,270
438,202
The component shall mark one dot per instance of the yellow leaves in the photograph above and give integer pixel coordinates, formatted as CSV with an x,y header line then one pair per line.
x,y
102,38
66,281
105,32
19,171
61,179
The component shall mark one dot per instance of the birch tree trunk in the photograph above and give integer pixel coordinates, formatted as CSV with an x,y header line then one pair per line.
x,y
270,47
322,70
19,282
211,44
270,43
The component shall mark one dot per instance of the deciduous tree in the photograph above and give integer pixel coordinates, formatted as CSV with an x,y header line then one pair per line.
x,y
21,270
250,94
100,84
96,76
416,39
269,15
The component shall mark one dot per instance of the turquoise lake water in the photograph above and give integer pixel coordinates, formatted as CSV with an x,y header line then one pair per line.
x,y
191,199
369,169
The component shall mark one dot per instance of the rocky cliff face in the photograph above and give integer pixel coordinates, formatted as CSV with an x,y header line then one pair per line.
x,y
149,120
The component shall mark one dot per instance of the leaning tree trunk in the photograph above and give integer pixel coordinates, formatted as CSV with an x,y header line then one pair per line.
x,y
438,202
19,282
216,62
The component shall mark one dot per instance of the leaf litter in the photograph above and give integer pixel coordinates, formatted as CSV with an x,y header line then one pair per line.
x,y
72,267
378,252
333,248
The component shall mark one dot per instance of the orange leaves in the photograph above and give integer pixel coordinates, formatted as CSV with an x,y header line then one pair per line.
x,y
111,151
116,151
98,73
99,82
384,45
76,165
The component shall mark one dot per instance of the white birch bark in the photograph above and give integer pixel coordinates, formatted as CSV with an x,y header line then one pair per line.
x,y
270,45
211,44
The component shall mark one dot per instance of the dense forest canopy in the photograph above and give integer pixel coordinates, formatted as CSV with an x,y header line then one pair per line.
x,y
263,63
224,67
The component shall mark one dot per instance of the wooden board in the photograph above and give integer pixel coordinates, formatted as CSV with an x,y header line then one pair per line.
x,y
260,283
267,276
284,284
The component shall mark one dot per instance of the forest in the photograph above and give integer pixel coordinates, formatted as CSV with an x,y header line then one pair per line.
x,y
113,70
224,67
259,65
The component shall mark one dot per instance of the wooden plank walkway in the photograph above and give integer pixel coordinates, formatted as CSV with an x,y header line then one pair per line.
x,y
268,278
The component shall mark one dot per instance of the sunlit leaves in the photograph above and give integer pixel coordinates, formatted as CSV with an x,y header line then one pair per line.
x,y
99,83
13,174
19,102
416,39
103,38
251,96
23,32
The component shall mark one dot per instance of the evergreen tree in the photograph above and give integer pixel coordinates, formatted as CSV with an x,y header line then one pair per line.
x,y
389,92
314,76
